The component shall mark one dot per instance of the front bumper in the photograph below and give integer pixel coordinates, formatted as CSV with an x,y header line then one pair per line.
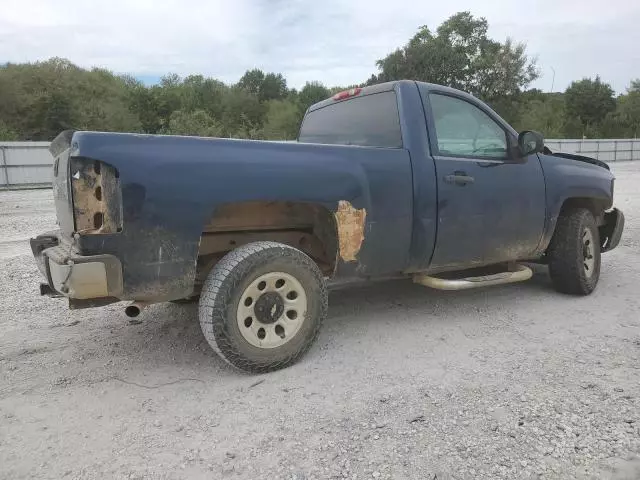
x,y
80,277
611,231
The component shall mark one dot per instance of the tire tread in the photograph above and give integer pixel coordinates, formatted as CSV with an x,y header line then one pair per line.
x,y
565,256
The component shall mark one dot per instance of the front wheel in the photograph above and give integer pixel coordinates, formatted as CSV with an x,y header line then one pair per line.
x,y
574,253
262,306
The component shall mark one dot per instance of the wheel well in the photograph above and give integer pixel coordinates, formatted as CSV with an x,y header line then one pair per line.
x,y
306,226
595,205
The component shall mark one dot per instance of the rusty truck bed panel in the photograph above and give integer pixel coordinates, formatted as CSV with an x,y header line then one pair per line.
x,y
166,208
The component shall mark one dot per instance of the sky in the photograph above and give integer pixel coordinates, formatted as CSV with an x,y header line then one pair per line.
x,y
336,42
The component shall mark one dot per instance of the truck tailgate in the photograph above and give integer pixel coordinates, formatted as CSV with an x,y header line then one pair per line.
x,y
62,193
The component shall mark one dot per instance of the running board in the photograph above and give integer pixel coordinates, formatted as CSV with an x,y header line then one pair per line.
x,y
520,274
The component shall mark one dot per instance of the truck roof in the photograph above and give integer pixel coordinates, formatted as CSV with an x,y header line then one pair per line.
x,y
384,87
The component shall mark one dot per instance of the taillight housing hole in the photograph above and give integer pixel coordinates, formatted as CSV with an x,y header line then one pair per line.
x,y
97,220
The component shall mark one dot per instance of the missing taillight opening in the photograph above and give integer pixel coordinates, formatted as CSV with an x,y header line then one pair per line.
x,y
97,198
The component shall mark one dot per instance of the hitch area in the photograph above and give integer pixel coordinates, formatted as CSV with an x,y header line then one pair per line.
x,y
476,278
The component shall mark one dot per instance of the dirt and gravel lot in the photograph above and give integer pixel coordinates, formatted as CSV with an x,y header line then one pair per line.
x,y
404,382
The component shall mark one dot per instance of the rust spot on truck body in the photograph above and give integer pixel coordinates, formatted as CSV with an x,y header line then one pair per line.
x,y
351,224
306,226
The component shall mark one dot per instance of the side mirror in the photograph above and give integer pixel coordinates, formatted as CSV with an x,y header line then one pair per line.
x,y
530,142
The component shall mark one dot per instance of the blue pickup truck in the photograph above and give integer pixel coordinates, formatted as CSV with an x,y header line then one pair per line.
x,y
402,179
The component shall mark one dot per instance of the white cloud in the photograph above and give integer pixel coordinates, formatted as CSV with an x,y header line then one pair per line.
x,y
334,41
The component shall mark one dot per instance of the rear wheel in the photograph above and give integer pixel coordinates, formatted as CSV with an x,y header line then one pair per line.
x,y
262,306
574,253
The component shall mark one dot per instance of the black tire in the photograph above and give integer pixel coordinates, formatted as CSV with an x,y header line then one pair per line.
x,y
224,288
568,266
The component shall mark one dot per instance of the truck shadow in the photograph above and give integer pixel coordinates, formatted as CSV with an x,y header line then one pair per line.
x,y
362,302
178,331
169,343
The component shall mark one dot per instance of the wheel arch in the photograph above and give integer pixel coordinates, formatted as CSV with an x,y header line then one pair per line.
x,y
309,227
597,205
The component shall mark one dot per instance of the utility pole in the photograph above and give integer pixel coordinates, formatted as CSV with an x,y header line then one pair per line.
x,y
553,79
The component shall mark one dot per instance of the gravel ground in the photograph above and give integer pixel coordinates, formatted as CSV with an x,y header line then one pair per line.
x,y
404,382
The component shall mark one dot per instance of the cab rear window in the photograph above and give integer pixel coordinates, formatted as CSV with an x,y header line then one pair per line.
x,y
368,121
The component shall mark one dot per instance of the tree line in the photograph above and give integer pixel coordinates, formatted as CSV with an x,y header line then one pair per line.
x,y
39,100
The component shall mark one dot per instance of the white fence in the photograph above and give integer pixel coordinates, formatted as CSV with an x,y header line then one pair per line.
x,y
29,164
25,164
609,150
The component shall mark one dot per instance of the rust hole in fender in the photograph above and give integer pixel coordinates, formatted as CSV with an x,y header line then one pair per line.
x,y
351,223
97,220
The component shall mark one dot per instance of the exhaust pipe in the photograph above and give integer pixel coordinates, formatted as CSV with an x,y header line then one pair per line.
x,y
134,309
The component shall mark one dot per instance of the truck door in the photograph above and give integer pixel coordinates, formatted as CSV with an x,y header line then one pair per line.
x,y
491,204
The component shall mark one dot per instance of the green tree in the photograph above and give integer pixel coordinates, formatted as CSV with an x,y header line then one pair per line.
x,y
242,113
613,126
274,87
544,113
10,101
625,121
143,104
589,101
628,109
38,100
51,114
198,92
282,120
251,81
312,92
461,55
167,96
6,133
104,104
271,86
195,123
574,128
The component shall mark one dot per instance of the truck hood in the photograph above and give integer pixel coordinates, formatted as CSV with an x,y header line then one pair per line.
x,y
573,156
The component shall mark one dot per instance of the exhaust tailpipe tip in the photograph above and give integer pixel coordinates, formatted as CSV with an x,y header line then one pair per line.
x,y
134,309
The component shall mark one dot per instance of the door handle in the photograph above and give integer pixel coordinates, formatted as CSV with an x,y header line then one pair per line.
x,y
459,178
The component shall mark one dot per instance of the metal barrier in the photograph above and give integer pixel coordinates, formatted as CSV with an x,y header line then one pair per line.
x,y
25,164
29,164
607,150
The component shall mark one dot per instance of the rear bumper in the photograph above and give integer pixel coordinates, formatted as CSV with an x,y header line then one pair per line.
x,y
76,276
611,231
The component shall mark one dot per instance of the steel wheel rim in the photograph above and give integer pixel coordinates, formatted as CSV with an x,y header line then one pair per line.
x,y
271,310
588,257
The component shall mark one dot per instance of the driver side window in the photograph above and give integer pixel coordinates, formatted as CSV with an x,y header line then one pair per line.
x,y
462,129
